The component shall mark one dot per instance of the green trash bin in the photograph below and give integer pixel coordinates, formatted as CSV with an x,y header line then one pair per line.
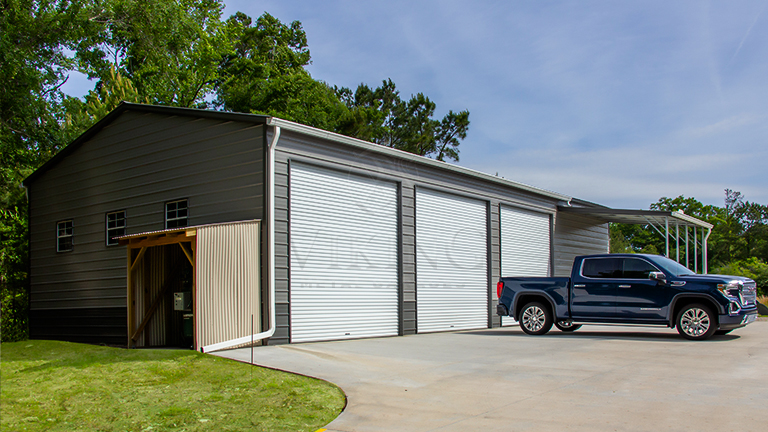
x,y
188,326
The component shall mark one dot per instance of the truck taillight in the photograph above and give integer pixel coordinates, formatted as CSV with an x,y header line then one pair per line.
x,y
499,287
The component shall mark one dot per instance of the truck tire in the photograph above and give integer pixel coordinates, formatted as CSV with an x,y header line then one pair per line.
x,y
535,319
696,322
567,326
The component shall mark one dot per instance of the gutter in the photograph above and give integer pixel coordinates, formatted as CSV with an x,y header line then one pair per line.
x,y
270,255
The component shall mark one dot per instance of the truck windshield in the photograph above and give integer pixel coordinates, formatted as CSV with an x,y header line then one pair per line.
x,y
671,266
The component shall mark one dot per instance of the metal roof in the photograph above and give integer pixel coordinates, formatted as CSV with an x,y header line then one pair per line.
x,y
365,145
638,217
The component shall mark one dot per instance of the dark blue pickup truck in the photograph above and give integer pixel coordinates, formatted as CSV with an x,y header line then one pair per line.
x,y
630,289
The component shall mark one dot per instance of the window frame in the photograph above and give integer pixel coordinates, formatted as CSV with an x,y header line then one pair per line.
x,y
176,219
655,267
70,236
107,228
581,270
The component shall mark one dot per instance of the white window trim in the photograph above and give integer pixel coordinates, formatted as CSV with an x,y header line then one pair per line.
x,y
60,236
107,228
186,218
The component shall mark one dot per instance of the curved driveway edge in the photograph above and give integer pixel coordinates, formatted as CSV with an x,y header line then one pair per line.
x,y
599,378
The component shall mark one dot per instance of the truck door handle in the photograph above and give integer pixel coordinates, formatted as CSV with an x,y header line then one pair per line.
x,y
579,286
625,286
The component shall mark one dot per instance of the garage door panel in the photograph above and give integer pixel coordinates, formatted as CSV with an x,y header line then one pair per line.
x,y
344,278
525,245
451,262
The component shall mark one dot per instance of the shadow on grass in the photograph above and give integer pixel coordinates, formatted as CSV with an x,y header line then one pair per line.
x,y
82,356
618,334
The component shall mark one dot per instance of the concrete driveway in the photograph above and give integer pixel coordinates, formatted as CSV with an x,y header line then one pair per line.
x,y
599,378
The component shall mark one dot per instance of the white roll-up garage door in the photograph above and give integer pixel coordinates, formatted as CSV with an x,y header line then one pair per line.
x,y
344,262
525,244
451,262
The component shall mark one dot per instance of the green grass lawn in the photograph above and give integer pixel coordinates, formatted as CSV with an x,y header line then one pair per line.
x,y
61,386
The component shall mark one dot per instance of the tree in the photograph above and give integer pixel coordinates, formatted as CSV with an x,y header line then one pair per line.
x,y
171,51
33,66
381,116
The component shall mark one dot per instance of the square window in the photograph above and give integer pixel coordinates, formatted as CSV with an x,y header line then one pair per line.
x,y
65,234
116,222
176,214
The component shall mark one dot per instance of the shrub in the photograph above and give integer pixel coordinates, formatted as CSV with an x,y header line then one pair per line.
x,y
13,313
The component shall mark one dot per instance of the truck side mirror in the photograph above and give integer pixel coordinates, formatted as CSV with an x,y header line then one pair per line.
x,y
657,276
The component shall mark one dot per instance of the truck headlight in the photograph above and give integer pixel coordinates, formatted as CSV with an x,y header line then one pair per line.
x,y
731,289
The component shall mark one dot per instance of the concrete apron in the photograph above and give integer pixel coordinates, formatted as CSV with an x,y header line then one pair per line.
x,y
599,378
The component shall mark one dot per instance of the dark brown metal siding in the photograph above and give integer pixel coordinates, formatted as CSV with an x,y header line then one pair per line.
x,y
136,163
577,235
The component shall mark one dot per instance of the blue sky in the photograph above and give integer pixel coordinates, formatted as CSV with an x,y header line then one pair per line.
x,y
619,103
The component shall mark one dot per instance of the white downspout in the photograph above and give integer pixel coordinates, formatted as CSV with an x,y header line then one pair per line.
x,y
270,256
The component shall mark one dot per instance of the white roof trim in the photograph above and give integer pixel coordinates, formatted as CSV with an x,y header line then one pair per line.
x,y
682,216
365,145
181,229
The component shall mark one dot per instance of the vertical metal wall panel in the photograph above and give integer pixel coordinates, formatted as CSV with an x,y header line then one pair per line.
x,y
158,268
228,282
344,257
148,279
577,235
525,245
451,262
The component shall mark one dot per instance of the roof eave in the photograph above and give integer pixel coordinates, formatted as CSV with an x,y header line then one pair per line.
x,y
365,145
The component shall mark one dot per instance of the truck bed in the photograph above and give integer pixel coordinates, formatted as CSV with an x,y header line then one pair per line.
x,y
556,288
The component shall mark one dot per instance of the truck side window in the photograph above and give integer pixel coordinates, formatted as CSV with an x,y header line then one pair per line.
x,y
637,269
601,268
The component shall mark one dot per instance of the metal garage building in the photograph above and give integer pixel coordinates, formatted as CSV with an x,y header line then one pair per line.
x,y
170,226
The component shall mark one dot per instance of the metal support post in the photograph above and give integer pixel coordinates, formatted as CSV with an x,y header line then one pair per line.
x,y
666,237
695,253
677,242
704,249
686,246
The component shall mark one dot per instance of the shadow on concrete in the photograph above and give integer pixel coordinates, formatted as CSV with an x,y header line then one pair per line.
x,y
587,334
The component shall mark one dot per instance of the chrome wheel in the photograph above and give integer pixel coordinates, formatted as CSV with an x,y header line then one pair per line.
x,y
534,318
695,322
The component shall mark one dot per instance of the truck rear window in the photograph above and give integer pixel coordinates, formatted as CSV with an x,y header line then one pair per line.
x,y
601,268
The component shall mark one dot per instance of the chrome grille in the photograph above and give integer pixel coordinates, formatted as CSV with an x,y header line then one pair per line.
x,y
748,294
